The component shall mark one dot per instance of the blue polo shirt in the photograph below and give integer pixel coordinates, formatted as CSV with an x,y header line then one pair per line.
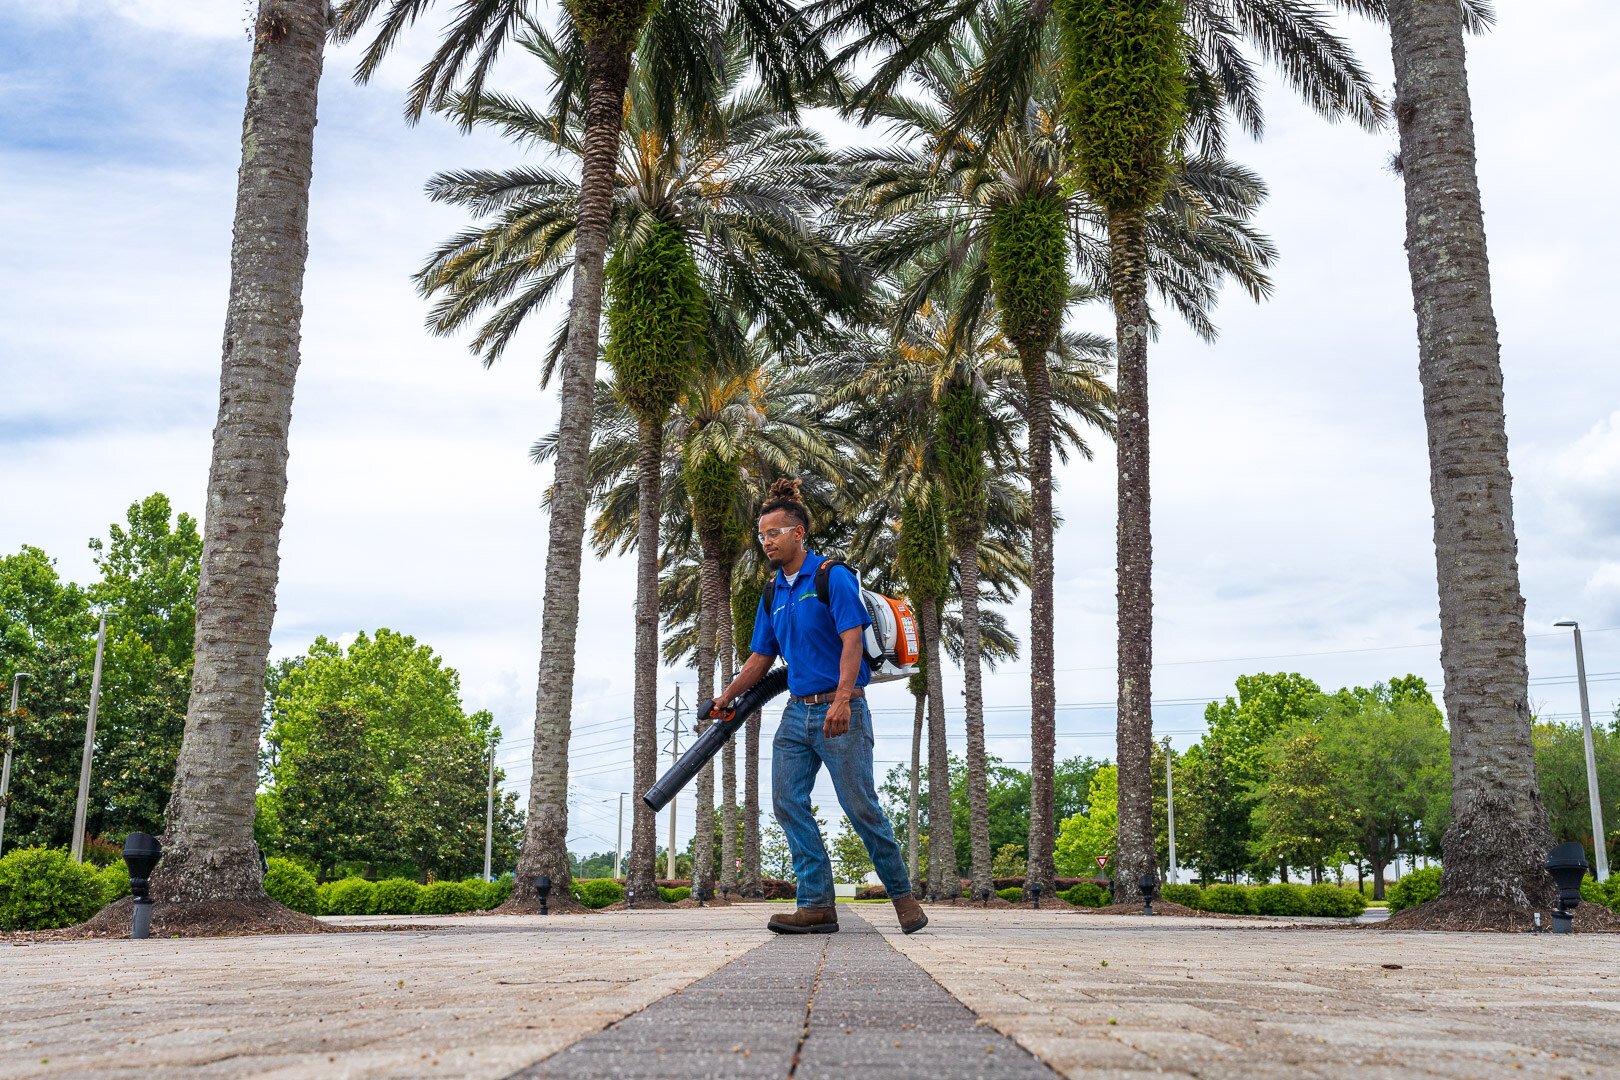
x,y
794,624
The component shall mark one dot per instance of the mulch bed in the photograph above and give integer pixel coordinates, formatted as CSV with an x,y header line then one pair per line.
x,y
212,918
1459,913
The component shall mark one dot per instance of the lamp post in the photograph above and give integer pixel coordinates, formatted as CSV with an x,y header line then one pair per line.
x,y
141,853
542,886
81,808
11,741
1599,840
1567,865
1147,883
1170,803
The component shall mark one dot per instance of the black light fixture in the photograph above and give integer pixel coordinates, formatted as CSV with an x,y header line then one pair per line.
x,y
542,886
141,853
1035,891
697,891
725,893
1567,865
1147,883
984,895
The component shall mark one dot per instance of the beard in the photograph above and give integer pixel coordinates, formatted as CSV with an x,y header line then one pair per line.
x,y
774,564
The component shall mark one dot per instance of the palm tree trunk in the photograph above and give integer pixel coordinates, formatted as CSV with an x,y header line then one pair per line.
x,y
967,555
1496,845
1127,236
728,762
913,807
943,881
703,837
753,883
641,881
209,853
1042,692
545,832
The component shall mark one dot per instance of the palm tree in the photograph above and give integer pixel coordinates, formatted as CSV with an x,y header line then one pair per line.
x,y
1495,848
743,187
1002,214
680,44
210,855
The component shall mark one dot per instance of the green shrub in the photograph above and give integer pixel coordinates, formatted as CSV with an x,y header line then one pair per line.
x,y
674,896
351,896
1418,887
1185,895
288,883
42,888
1085,894
113,881
598,893
396,896
446,898
1013,894
1227,899
1331,900
492,894
1282,898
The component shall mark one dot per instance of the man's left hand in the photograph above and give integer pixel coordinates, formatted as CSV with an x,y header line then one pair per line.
x,y
837,722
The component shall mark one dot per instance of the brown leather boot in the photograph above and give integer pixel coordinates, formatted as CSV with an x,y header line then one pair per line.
x,y
806,920
911,914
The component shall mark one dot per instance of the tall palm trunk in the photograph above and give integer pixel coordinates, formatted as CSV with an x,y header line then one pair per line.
x,y
640,882
1496,845
703,837
913,807
943,880
967,555
753,883
728,761
1127,237
545,832
209,853
1042,682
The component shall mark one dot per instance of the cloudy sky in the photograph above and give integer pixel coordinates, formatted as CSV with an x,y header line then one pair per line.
x,y
1292,517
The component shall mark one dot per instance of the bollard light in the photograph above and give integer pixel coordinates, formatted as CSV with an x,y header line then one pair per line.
x,y
542,886
1035,891
141,853
1147,883
984,895
725,893
697,891
1567,865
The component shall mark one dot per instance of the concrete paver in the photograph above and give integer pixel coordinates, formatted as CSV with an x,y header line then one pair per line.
x,y
1096,996
474,996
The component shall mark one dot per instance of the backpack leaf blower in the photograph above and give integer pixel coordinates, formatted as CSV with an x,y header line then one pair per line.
x,y
709,743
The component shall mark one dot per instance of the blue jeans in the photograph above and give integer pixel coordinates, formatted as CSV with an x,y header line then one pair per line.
x,y
797,754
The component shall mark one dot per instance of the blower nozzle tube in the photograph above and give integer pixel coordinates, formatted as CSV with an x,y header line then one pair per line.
x,y
709,743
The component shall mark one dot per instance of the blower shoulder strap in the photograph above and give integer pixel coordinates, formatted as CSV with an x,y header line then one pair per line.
x,y
824,571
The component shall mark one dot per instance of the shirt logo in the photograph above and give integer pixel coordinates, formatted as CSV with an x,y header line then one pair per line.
x,y
809,595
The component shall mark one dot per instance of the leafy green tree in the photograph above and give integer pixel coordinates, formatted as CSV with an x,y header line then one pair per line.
x,y
1213,814
1301,817
851,862
36,606
596,865
1006,808
1266,705
331,798
1561,773
148,584
1071,785
438,804
1009,861
1388,749
1083,837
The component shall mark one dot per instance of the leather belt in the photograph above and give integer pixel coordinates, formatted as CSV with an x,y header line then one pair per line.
x,y
826,696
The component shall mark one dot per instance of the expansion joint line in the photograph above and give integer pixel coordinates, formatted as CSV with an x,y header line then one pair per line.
x,y
809,1007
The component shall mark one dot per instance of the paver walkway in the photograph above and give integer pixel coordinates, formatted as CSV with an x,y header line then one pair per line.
x,y
1106,996
812,1008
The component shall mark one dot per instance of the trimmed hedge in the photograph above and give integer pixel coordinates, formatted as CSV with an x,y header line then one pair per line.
x,y
1085,894
42,888
350,896
1418,887
1185,895
288,883
446,898
1333,901
598,893
1014,894
395,896
674,896
1282,898
1228,899
113,881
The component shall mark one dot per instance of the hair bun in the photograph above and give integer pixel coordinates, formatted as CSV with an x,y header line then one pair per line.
x,y
786,490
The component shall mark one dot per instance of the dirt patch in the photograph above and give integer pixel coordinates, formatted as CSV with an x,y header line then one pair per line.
x,y
1460,913
530,905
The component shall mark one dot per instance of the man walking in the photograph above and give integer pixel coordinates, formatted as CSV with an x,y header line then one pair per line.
x,y
826,721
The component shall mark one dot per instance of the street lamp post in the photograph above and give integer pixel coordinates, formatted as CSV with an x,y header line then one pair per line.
x,y
11,740
1599,840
